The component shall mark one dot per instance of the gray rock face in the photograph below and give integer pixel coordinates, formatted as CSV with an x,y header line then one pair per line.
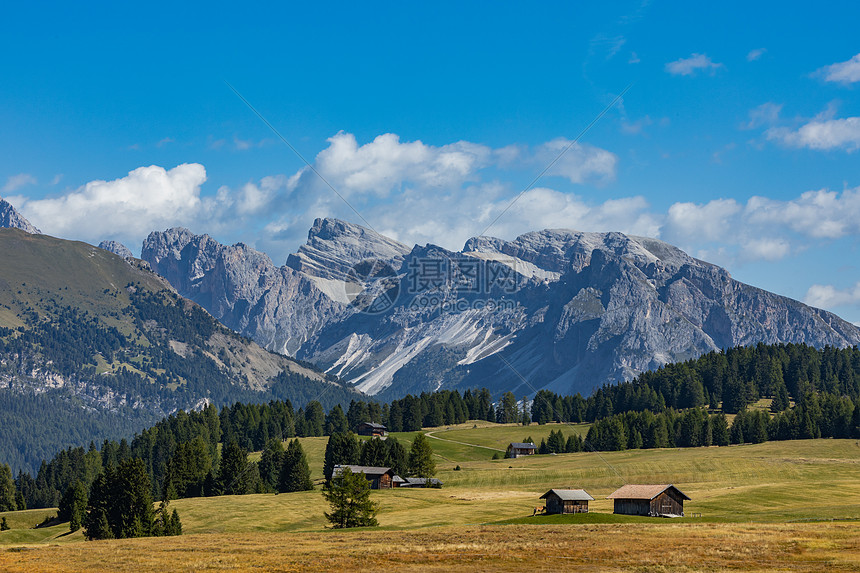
x,y
559,309
334,246
278,307
117,249
11,219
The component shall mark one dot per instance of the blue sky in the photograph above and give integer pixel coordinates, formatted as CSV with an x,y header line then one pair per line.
x,y
737,140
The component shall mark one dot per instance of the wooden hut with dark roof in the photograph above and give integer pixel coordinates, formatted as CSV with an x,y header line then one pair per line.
x,y
567,501
379,478
664,500
519,449
371,429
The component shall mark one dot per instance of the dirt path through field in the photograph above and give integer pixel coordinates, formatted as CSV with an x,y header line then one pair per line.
x,y
432,435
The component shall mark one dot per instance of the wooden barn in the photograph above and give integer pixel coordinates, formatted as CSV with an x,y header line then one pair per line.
x,y
379,478
371,429
663,500
567,501
518,449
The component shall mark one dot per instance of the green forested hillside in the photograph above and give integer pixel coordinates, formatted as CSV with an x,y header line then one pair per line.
x,y
94,347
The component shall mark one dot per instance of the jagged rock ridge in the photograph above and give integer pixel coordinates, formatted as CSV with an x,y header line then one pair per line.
x,y
587,308
117,248
11,219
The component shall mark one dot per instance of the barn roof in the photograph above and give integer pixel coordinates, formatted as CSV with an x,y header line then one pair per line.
x,y
522,446
569,494
422,481
366,470
373,425
648,492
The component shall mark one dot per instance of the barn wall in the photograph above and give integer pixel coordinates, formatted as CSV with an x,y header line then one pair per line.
x,y
632,506
668,503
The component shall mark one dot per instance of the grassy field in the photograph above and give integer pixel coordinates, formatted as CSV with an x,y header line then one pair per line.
x,y
766,506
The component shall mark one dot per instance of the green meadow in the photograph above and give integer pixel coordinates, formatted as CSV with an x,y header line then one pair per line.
x,y
801,497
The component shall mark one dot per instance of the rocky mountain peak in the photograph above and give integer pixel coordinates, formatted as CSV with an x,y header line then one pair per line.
x,y
117,248
334,246
580,309
11,218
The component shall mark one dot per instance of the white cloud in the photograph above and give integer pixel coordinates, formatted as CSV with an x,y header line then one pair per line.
x,y
820,134
692,65
708,222
386,164
147,198
636,127
763,228
765,114
756,54
842,72
57,178
766,249
818,214
828,296
580,163
15,182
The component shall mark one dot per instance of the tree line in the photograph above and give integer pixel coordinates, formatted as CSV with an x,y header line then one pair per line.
x,y
814,394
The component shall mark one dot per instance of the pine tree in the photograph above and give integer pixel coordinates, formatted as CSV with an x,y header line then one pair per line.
x,y
491,414
271,461
421,462
336,422
720,430
295,474
341,449
737,430
8,492
373,453
175,525
3,525
73,506
349,497
396,456
232,472
780,399
120,502
574,444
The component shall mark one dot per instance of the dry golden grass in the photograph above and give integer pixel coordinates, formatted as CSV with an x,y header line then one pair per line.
x,y
663,547
757,502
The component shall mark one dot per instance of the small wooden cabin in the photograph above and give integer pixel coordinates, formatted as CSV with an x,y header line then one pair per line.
x,y
518,449
379,478
371,429
567,501
420,482
663,500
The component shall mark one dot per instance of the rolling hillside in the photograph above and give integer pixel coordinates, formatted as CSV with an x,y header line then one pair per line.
x,y
95,347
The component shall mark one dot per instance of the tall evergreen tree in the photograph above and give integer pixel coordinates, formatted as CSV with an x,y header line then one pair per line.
x,y
295,474
232,472
8,492
348,494
421,462
340,449
271,461
396,456
73,506
336,422
373,453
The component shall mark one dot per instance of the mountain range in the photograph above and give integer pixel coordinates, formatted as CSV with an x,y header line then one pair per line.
x,y
557,309
95,346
